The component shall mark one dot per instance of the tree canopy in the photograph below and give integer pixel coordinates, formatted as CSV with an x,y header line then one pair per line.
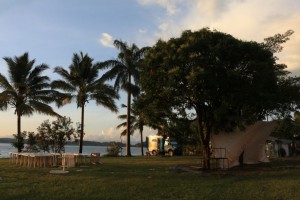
x,y
26,90
218,80
82,83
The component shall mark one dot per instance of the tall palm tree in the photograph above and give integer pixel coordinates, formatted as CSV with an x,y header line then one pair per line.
x,y
82,83
137,123
27,90
125,71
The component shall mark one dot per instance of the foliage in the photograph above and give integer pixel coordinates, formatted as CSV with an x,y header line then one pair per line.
x,y
31,141
113,150
125,71
274,43
43,137
217,80
19,141
27,90
288,128
184,131
82,83
55,135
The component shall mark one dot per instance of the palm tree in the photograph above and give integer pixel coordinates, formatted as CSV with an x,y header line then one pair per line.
x,y
137,123
81,82
26,91
125,71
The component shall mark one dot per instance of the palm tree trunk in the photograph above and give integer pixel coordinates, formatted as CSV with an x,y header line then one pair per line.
x,y
128,153
142,147
19,133
81,131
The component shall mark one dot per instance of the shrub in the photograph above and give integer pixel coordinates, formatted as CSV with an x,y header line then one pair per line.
x,y
113,150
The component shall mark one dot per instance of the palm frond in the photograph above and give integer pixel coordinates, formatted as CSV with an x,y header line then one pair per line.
x,y
106,64
123,117
25,109
122,125
42,108
122,46
121,79
124,132
116,68
63,85
131,88
62,99
19,68
105,101
123,106
4,83
36,72
5,98
64,74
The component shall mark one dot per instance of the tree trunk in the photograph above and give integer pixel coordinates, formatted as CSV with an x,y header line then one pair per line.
x,y
81,131
142,146
19,133
205,139
293,147
206,151
128,153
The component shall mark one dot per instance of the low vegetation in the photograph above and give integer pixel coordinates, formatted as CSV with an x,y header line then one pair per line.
x,y
152,178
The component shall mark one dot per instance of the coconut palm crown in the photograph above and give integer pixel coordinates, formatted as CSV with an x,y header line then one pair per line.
x,y
26,90
81,83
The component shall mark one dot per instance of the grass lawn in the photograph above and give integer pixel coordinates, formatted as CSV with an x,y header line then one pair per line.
x,y
152,178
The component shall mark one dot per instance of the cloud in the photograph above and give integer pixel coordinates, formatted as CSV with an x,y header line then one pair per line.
x,y
212,8
107,40
169,5
113,134
143,31
246,20
163,26
108,135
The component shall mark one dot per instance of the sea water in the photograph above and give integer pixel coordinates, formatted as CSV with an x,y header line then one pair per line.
x,y
5,148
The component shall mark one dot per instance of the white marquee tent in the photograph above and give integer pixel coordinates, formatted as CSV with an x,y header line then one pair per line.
x,y
250,141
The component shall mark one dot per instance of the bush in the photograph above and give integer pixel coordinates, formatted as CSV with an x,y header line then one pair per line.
x,y
113,150
19,141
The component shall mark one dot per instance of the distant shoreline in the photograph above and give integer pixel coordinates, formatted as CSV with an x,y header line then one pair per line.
x,y
86,143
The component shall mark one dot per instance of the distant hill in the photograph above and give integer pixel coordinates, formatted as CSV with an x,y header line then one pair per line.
x,y
94,143
6,140
85,143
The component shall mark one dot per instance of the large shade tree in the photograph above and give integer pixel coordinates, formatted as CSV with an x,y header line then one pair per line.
x,y
26,90
221,81
125,71
82,83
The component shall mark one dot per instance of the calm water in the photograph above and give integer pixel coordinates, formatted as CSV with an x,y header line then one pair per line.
x,y
5,148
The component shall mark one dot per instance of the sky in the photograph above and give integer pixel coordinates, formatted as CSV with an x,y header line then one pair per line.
x,y
51,31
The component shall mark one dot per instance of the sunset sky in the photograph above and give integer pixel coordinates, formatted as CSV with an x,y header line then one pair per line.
x,y
52,30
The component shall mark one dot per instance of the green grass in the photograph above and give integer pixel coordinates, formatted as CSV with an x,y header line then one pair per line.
x,y
152,178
